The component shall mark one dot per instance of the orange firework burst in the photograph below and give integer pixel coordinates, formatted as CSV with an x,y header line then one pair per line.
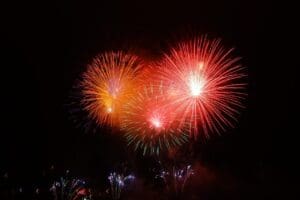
x,y
206,83
149,123
107,85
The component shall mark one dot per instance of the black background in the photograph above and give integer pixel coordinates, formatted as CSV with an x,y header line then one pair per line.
x,y
46,45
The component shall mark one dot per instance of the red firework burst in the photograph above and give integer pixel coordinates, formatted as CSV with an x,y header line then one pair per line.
x,y
206,85
149,123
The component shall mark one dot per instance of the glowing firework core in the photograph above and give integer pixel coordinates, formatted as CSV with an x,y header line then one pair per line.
x,y
156,122
109,110
195,85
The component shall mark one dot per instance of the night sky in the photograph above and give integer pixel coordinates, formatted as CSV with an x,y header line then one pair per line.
x,y
46,45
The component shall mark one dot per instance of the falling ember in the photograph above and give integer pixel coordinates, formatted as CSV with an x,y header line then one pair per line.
x,y
206,83
107,84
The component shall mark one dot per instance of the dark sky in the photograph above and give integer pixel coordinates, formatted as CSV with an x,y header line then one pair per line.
x,y
45,46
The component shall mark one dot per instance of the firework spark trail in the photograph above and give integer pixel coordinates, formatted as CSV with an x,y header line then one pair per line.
x,y
118,182
206,82
107,84
181,176
70,189
176,178
149,123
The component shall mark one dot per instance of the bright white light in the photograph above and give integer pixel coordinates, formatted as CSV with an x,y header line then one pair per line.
x,y
156,122
195,85
109,109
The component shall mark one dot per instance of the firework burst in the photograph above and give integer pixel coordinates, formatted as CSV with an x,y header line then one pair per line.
x,y
118,182
175,179
206,83
149,123
70,189
107,85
